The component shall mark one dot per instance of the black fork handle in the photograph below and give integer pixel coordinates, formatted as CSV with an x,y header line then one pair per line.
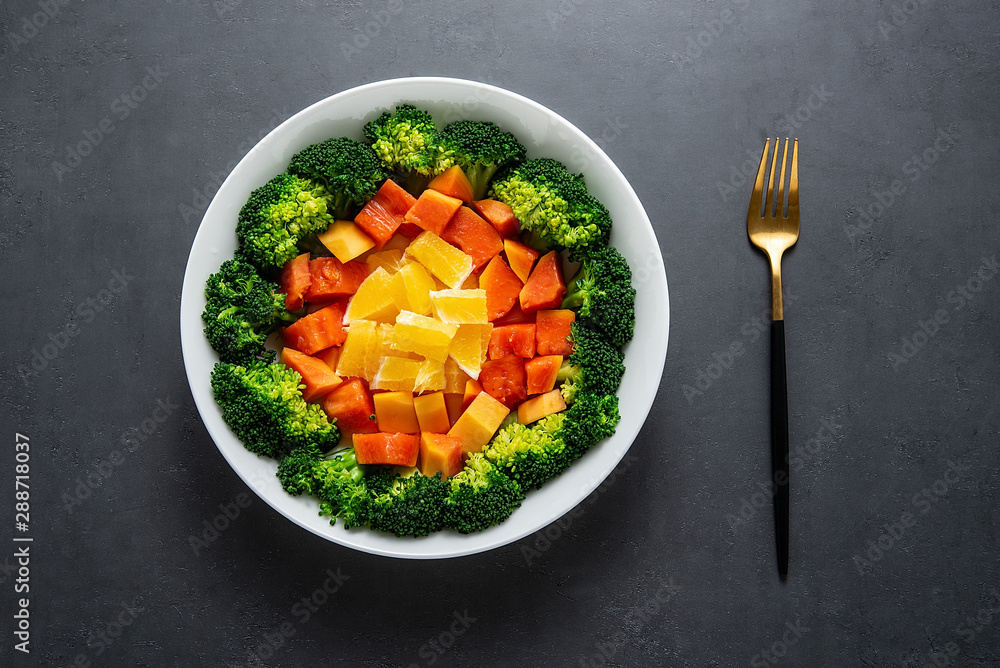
x,y
779,443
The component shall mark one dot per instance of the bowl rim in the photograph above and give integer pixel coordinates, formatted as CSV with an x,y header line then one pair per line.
x,y
192,300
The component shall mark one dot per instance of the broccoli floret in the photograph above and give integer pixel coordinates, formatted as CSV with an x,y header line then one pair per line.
x,y
403,141
241,310
602,291
595,366
339,484
380,498
339,467
278,216
591,418
554,207
407,506
350,170
262,403
481,496
531,455
297,469
480,148
486,492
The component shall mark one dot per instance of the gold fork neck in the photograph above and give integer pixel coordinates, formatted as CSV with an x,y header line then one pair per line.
x,y
777,307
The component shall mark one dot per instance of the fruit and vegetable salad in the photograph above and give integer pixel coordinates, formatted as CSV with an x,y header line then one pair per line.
x,y
397,329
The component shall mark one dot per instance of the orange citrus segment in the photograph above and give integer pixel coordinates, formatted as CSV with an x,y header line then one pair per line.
x,y
362,340
442,259
468,348
417,284
424,336
376,350
454,377
430,377
373,300
397,373
397,290
390,260
460,307
385,335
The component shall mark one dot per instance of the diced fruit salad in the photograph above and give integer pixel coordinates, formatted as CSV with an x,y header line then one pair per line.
x,y
433,362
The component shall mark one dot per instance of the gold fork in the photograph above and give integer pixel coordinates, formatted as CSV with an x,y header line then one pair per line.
x,y
774,232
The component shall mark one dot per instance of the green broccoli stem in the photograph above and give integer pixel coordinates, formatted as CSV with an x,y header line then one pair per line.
x,y
231,311
577,288
568,376
574,300
309,243
340,206
283,316
575,294
479,176
536,241
415,183
567,372
347,460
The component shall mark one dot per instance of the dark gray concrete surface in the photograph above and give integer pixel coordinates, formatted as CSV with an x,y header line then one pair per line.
x,y
894,534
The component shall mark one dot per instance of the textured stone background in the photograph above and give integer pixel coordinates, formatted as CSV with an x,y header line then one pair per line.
x,y
674,564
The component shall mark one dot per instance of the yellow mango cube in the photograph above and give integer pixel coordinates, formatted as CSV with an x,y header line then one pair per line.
x,y
346,240
442,259
439,453
399,241
478,423
454,403
427,337
373,300
536,408
460,307
432,413
395,413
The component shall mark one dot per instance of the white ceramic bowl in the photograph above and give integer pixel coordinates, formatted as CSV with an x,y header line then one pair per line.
x,y
545,134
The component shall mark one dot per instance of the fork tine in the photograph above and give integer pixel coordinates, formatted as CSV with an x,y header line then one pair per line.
x,y
758,186
769,206
793,186
781,184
